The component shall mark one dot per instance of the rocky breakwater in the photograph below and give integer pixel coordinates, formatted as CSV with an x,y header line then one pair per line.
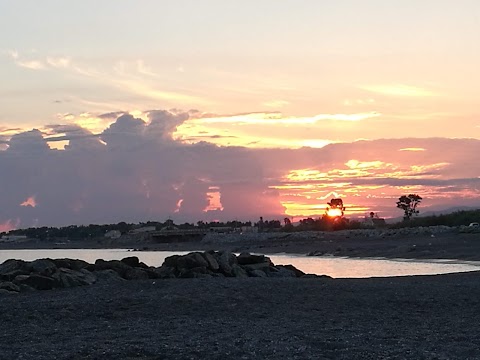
x,y
46,274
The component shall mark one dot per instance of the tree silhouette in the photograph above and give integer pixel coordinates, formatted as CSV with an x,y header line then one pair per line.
x,y
409,205
335,208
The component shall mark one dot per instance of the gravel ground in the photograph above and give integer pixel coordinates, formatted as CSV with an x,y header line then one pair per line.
x,y
421,317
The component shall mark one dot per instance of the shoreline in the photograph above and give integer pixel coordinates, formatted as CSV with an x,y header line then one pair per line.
x,y
423,246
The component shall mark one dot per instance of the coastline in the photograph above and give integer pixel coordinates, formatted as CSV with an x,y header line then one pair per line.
x,y
446,245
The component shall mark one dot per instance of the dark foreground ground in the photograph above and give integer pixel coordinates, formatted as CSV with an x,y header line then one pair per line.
x,y
423,317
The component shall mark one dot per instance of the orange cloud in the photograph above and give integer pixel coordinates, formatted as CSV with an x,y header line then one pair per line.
x,y
30,201
399,90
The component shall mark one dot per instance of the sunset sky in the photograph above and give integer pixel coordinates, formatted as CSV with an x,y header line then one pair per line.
x,y
203,110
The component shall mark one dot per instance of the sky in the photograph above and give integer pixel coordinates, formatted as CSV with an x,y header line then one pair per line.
x,y
218,110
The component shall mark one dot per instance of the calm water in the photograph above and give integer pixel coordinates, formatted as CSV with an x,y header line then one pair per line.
x,y
334,267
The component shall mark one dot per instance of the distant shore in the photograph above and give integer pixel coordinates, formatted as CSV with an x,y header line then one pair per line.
x,y
426,243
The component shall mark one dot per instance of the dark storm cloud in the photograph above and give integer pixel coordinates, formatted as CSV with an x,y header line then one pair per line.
x,y
29,142
134,171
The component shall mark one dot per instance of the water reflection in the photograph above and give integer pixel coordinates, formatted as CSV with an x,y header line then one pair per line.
x,y
332,266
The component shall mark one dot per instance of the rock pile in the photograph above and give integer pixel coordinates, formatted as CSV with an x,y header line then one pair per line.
x,y
224,264
46,274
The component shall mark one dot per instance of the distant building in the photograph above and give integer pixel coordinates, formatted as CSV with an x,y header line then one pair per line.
x,y
143,230
11,238
113,234
374,221
249,229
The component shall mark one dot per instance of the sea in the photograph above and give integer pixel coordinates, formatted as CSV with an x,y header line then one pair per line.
x,y
336,267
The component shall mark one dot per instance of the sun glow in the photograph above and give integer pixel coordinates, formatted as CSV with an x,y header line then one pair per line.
x,y
334,212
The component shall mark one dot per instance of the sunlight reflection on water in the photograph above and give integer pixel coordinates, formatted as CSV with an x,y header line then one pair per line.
x,y
336,267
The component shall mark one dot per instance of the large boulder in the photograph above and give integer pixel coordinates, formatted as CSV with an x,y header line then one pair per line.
x,y
136,274
73,264
171,261
131,261
165,272
195,272
281,271
291,268
120,267
70,278
44,267
258,266
212,263
247,258
191,260
38,282
237,271
108,275
225,261
12,267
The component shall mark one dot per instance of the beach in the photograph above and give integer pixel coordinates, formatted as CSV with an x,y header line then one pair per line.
x,y
421,317
413,317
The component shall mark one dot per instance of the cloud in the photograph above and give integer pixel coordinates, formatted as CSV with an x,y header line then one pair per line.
x,y
29,142
278,118
412,149
276,103
59,62
399,90
111,115
134,171
130,77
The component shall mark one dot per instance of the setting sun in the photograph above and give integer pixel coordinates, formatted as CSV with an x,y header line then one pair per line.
x,y
334,212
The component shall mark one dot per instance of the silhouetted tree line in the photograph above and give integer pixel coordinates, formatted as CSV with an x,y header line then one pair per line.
x,y
324,223
457,218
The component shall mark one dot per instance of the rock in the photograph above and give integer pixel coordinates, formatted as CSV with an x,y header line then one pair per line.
x,y
171,261
150,271
9,276
136,274
191,260
73,264
225,261
88,277
35,281
297,272
258,266
143,265
193,272
9,286
257,273
247,258
12,265
165,272
44,267
238,271
280,271
131,261
108,275
65,278
116,265
212,263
